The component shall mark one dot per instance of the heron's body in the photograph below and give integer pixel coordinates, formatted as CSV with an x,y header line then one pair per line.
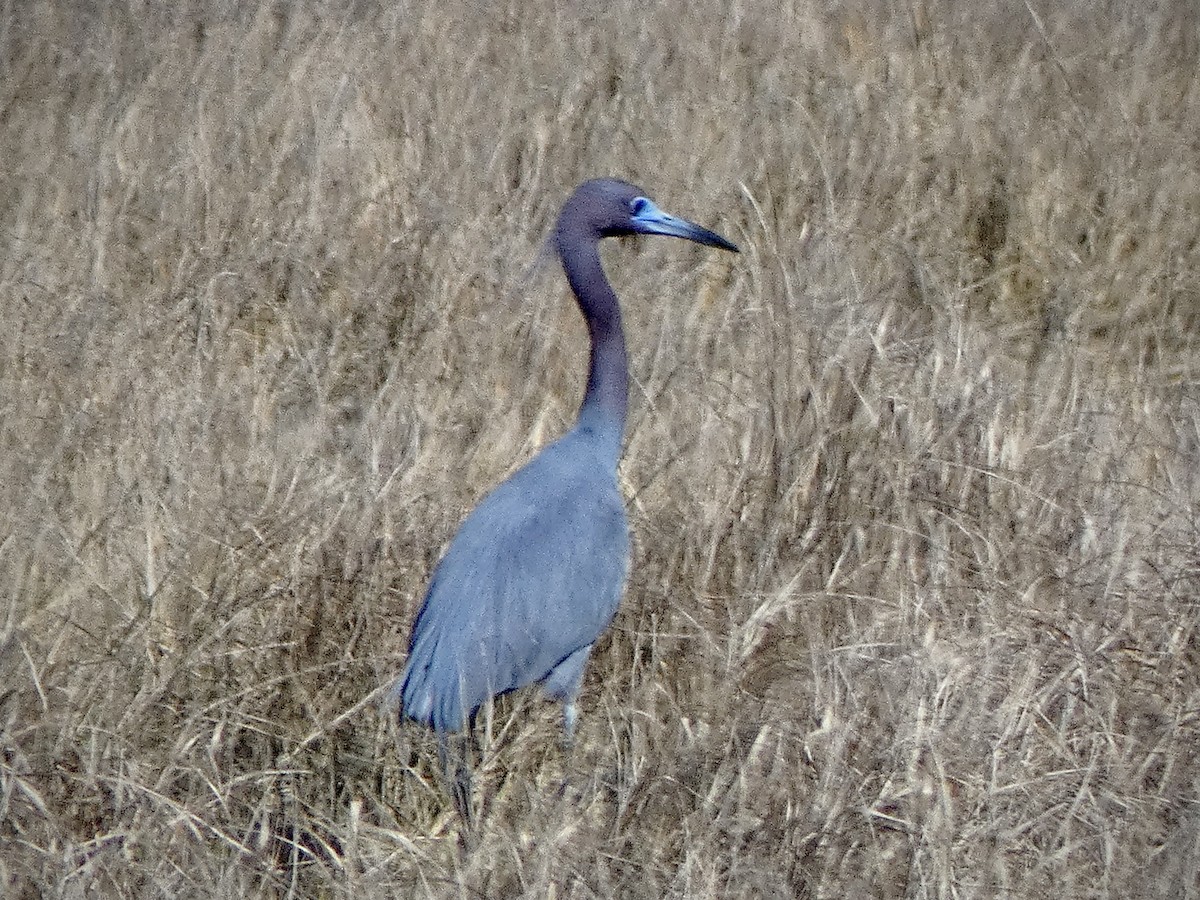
x,y
542,560
535,573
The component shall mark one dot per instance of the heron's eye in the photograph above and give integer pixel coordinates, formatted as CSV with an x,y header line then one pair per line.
x,y
638,205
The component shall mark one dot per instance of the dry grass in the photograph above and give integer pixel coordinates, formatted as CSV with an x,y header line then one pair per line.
x,y
915,605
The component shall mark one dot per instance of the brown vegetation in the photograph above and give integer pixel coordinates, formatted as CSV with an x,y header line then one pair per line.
x,y
915,480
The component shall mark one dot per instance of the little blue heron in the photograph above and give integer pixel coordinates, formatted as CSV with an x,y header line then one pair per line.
x,y
535,573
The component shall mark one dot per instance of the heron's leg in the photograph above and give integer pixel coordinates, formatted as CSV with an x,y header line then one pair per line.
x,y
456,767
570,717
563,684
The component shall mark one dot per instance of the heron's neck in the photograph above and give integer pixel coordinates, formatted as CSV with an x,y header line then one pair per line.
x,y
606,398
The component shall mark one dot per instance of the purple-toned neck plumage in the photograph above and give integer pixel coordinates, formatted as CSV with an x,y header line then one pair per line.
x,y
601,208
606,398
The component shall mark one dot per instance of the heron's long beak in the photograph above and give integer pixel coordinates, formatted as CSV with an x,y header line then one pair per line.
x,y
649,219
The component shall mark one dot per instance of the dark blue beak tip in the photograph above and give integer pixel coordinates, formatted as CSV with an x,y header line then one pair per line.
x,y
723,243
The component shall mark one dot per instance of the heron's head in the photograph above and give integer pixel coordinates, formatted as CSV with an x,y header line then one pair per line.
x,y
608,207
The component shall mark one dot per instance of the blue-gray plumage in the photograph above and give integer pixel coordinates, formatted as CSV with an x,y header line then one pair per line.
x,y
534,575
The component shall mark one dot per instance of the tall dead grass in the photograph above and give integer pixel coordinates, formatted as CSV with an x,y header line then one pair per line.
x,y
913,480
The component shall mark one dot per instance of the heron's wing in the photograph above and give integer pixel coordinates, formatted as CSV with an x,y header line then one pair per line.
x,y
534,574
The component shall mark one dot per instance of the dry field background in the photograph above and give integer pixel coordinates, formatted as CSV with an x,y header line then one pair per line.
x,y
915,603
